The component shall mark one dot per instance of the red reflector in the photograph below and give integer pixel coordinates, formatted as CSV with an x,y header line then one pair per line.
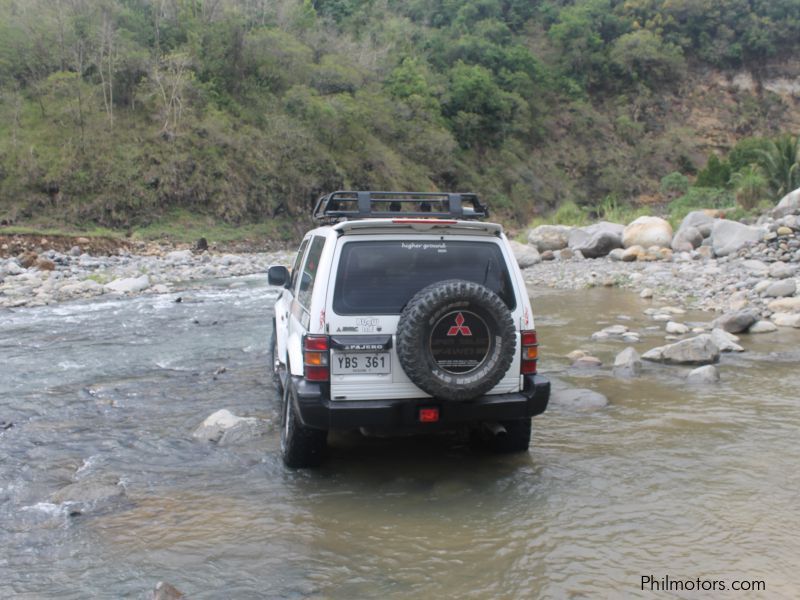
x,y
428,415
528,367
316,373
529,338
318,343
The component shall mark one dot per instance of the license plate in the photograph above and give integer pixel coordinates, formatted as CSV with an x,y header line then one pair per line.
x,y
351,363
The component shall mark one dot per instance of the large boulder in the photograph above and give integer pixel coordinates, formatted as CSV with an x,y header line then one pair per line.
x,y
129,285
726,342
579,399
687,239
628,363
702,220
526,255
729,236
549,237
595,241
736,322
700,350
703,375
781,288
223,427
789,204
647,232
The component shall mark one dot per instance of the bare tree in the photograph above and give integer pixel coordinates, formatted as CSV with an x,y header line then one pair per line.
x,y
106,60
170,77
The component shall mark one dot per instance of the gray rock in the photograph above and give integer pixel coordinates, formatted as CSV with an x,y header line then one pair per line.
x,y
781,289
675,328
789,204
578,399
786,319
627,363
526,255
166,591
698,350
781,270
700,220
549,237
687,239
129,285
736,322
756,267
727,237
704,375
785,305
12,267
762,327
217,424
725,341
616,254
596,241
179,256
92,494
587,362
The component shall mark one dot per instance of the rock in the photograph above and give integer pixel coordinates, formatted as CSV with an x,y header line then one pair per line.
x,y
96,493
627,363
12,267
588,362
702,220
687,239
4,425
785,305
179,256
675,328
44,264
736,322
548,255
549,237
727,237
756,267
75,251
786,319
610,331
526,255
129,285
646,293
784,231
616,254
576,354
578,399
647,232
697,350
596,241
703,375
781,270
166,591
725,341
762,327
781,289
564,254
27,259
789,204
83,241
217,424
633,253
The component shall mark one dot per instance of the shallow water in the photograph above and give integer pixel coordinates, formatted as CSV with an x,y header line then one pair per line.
x,y
690,482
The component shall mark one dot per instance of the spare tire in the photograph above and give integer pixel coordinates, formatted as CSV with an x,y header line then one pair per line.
x,y
455,339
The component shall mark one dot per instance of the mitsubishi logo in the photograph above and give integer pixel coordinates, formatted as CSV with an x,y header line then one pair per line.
x,y
459,327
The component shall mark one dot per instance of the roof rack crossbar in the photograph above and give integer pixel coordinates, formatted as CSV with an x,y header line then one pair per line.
x,y
348,205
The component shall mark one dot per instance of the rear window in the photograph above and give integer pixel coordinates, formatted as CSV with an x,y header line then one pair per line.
x,y
379,278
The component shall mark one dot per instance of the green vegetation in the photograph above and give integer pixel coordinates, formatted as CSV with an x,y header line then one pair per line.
x,y
227,118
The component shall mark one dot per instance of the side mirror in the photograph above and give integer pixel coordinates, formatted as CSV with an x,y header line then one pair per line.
x,y
278,276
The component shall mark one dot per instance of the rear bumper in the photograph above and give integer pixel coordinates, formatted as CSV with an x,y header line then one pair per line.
x,y
316,410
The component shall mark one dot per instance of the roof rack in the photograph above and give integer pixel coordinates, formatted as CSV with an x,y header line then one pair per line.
x,y
349,205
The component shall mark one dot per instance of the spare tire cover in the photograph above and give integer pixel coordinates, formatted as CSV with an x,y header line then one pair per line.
x,y
455,339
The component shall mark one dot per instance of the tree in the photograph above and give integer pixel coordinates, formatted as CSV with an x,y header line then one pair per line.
x,y
781,164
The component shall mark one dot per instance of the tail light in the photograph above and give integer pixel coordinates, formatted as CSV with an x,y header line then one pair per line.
x,y
530,352
316,358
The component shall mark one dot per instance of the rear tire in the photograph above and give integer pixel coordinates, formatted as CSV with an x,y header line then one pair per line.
x,y
301,447
516,439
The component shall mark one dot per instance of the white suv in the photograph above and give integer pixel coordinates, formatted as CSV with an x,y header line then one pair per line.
x,y
404,313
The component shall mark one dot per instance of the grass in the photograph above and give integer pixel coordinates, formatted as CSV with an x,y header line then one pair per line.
x,y
183,226
53,231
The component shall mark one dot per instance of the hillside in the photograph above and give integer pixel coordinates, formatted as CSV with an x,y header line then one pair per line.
x,y
176,116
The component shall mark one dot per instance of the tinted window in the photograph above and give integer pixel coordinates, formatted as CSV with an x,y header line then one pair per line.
x,y
296,267
381,277
310,271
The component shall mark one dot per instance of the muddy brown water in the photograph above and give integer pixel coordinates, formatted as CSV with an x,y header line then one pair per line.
x,y
689,482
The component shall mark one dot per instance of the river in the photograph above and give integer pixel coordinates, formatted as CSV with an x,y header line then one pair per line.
x,y
668,480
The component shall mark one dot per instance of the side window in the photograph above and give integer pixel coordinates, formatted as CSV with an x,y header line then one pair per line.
x,y
309,273
296,266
